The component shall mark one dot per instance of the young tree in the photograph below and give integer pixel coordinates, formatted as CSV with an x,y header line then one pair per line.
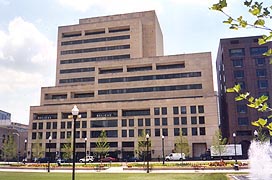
x,y
67,149
102,145
37,150
218,143
9,148
260,17
141,146
181,145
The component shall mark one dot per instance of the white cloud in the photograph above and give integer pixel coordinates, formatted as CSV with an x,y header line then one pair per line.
x,y
27,62
120,6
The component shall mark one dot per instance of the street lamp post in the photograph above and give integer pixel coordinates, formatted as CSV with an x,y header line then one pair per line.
x,y
25,155
85,149
49,159
147,150
163,159
18,151
234,139
75,112
256,135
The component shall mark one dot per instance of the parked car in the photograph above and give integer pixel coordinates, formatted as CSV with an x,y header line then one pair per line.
x,y
88,159
133,159
109,159
45,160
62,160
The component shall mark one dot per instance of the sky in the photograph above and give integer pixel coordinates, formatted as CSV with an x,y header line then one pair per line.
x,y
28,38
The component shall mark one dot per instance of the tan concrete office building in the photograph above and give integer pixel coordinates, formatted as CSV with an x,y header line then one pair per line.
x,y
113,68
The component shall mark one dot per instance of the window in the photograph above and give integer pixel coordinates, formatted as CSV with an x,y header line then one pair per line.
x,y
69,124
157,121
194,131
34,135
164,121
262,84
157,132
140,132
202,131
184,120
47,134
193,109
84,124
260,61
78,124
62,135
131,133
164,110
84,134
184,131
175,110
239,74
176,131
78,134
261,72
193,120
124,123
40,125
140,122
242,84
258,50
124,133
244,133
176,120
156,111
68,134
241,108
48,125
183,110
237,52
62,125
200,109
164,131
34,125
243,121
131,122
147,121
237,63
201,119
55,125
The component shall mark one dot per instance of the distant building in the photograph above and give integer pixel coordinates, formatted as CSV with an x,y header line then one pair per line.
x,y
114,70
5,118
241,61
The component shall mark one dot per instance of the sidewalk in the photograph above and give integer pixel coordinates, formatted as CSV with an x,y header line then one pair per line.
x,y
125,170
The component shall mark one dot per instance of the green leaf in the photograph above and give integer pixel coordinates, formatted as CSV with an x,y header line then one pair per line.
x,y
230,90
237,88
270,133
270,60
270,116
247,3
268,53
251,105
238,98
262,122
255,123
259,22
255,11
269,126
251,99
261,41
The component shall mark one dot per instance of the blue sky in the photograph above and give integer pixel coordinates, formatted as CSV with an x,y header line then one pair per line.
x,y
28,37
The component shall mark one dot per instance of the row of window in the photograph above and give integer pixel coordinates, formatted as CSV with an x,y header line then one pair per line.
x,y
125,133
76,80
93,59
259,73
93,40
261,61
96,49
253,51
77,70
125,123
150,77
140,112
150,89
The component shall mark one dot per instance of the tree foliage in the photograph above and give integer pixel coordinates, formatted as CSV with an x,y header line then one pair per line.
x,y
260,19
182,145
37,149
141,146
218,142
260,16
67,149
102,145
9,148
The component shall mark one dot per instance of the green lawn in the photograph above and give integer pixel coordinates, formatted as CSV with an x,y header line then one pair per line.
x,y
108,176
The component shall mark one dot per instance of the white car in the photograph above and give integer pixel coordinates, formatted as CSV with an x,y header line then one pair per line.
x,y
88,159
